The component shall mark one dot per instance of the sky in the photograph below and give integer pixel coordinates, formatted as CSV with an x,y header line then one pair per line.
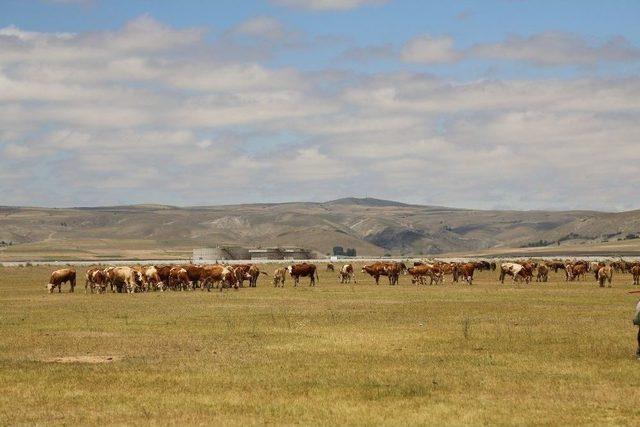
x,y
491,104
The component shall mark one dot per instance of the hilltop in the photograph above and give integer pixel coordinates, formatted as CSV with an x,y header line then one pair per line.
x,y
371,226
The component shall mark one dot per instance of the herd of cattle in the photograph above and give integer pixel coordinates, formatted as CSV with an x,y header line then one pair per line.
x,y
190,276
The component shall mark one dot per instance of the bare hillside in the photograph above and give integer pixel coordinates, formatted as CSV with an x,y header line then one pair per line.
x,y
371,226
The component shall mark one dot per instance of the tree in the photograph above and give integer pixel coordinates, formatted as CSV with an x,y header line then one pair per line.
x,y
338,250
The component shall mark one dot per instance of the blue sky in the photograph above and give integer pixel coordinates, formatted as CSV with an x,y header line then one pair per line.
x,y
481,104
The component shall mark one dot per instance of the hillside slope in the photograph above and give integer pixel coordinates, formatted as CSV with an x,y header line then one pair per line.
x,y
372,226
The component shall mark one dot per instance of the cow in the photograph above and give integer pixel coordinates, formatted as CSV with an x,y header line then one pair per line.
x,y
527,270
179,279
96,280
163,273
195,274
279,276
394,270
61,276
556,265
242,273
605,274
482,265
376,270
153,278
543,273
510,269
635,272
575,271
303,270
254,272
331,267
347,273
124,278
219,276
420,272
466,272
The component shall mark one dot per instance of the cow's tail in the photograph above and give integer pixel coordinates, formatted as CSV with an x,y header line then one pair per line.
x,y
265,273
317,277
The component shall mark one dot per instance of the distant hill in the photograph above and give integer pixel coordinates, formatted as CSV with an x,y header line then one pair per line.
x,y
371,226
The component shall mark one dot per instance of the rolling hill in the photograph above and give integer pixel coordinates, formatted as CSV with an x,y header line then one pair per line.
x,y
371,226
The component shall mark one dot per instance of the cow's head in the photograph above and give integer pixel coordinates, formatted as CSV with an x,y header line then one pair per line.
x,y
290,269
50,287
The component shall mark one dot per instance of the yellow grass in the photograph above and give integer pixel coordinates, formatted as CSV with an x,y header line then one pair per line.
x,y
553,353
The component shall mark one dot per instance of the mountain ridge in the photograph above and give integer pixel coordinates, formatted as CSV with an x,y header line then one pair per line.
x,y
371,226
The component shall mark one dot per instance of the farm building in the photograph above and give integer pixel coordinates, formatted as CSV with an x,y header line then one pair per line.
x,y
220,253
266,253
279,253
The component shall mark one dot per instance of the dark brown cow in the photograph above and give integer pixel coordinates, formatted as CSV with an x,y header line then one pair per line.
x,y
59,277
303,270
163,272
331,267
556,265
635,272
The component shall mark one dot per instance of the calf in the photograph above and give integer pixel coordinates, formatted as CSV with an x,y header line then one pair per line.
x,y
279,275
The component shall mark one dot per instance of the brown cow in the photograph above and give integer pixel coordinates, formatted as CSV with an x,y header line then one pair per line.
x,y
375,270
394,270
195,273
96,280
346,274
163,273
254,272
543,273
605,274
303,270
179,279
466,272
219,276
279,276
61,276
635,272
242,273
331,267
420,272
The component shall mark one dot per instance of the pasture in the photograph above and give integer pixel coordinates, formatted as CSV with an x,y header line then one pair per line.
x,y
359,354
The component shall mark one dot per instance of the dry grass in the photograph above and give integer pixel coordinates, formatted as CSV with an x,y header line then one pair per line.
x,y
552,353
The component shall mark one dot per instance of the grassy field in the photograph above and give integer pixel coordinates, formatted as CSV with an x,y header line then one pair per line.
x,y
553,353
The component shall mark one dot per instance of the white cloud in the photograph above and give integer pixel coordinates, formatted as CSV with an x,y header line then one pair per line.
x,y
327,4
262,26
558,48
167,113
431,50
